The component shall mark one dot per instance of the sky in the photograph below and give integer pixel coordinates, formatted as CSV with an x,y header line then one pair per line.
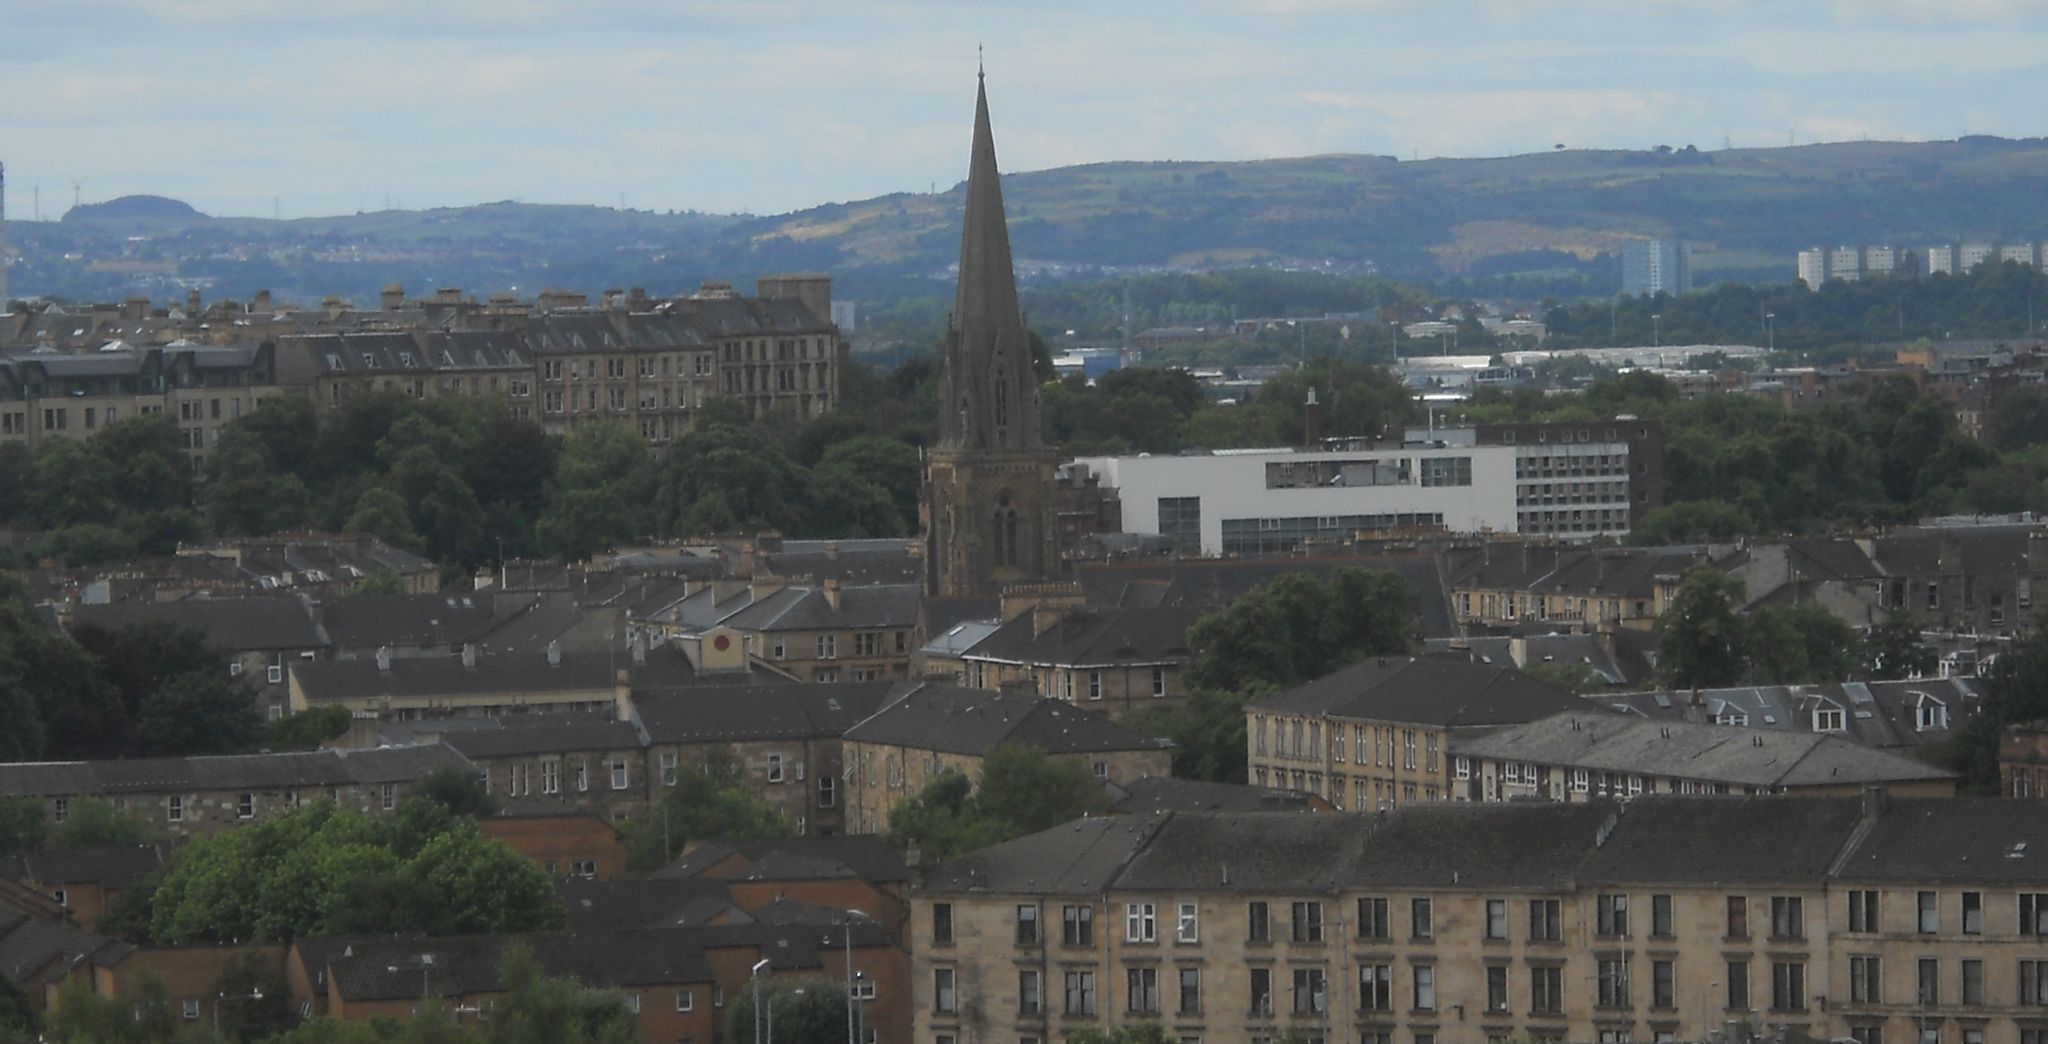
x,y
315,107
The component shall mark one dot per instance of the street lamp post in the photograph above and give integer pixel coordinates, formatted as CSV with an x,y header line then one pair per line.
x,y
1705,991
424,965
252,995
1656,338
754,977
1770,331
846,940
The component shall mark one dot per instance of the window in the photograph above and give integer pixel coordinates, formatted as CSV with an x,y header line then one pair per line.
x,y
1663,985
1546,989
1080,992
1372,919
1424,992
2034,983
1375,987
245,806
1308,922
1258,928
1973,982
1546,920
1973,913
774,768
828,646
668,772
1496,988
1738,985
1863,911
633,1003
175,808
551,777
1788,986
1190,991
1660,917
2034,913
1788,917
1828,719
1866,980
1419,922
1928,908
190,1007
1738,917
1027,925
1187,925
1496,918
582,775
1141,922
1262,991
942,923
1158,683
1030,992
1077,925
1928,990
1611,912
1613,984
686,1000
1094,685
944,999
619,774
1310,991
1141,990
828,791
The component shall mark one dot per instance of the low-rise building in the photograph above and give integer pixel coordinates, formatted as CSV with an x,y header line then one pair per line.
x,y
1377,734
1577,756
1115,660
937,728
84,881
2023,760
1897,715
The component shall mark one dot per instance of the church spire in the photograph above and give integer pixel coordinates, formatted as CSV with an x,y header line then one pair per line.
x,y
992,394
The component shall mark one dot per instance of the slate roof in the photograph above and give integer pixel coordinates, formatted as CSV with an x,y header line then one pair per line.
x,y
109,866
958,720
852,563
1978,839
731,713
321,768
1085,638
806,608
362,966
954,642
1077,858
868,857
1584,649
369,621
1425,690
1681,750
29,945
1246,852
235,624
1568,569
1723,840
1466,844
434,676
1166,794
553,733
654,903
1874,713
1969,550
1213,583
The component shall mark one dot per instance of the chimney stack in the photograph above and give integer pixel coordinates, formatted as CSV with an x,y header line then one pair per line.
x,y
554,654
832,594
1312,420
469,655
261,305
384,658
392,298
192,304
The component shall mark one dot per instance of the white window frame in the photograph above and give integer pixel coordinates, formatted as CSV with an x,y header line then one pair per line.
x,y
1141,922
1188,923
775,769
622,774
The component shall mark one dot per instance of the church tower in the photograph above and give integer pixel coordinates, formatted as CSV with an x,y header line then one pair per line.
x,y
989,481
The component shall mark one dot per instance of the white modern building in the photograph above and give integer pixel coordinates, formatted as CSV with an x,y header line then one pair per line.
x,y
1880,259
1845,263
1941,258
1571,481
1813,267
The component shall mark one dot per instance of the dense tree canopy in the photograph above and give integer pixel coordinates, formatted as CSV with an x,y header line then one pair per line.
x,y
1022,791
708,802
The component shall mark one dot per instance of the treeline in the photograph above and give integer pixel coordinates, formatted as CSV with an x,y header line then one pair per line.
x,y
1832,322
1737,465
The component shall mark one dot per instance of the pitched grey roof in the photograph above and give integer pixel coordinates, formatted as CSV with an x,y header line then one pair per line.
x,y
1086,638
432,676
1564,649
321,768
235,624
1962,839
1166,794
109,866
552,734
806,608
1213,583
726,714
1874,713
361,967
1425,690
1680,750
654,903
369,621
1723,840
1508,845
868,857
1078,858
1247,852
958,720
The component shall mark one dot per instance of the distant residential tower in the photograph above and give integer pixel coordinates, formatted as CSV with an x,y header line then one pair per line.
x,y
1656,266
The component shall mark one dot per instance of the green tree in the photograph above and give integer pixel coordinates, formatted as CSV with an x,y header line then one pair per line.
x,y
1575,678
1132,1033
839,501
52,697
1301,627
1893,649
2017,691
602,493
708,802
23,826
95,822
537,1009
809,1011
199,713
254,1001
1700,639
1022,791
382,513
1208,732
17,1018
1799,645
309,729
723,479
457,790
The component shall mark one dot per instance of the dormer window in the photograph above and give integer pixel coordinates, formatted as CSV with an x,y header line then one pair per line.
x,y
1929,714
1829,719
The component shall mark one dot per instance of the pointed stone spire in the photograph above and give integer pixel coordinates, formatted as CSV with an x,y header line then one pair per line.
x,y
991,395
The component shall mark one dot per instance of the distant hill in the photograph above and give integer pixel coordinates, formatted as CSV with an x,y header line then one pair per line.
x,y
1559,216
